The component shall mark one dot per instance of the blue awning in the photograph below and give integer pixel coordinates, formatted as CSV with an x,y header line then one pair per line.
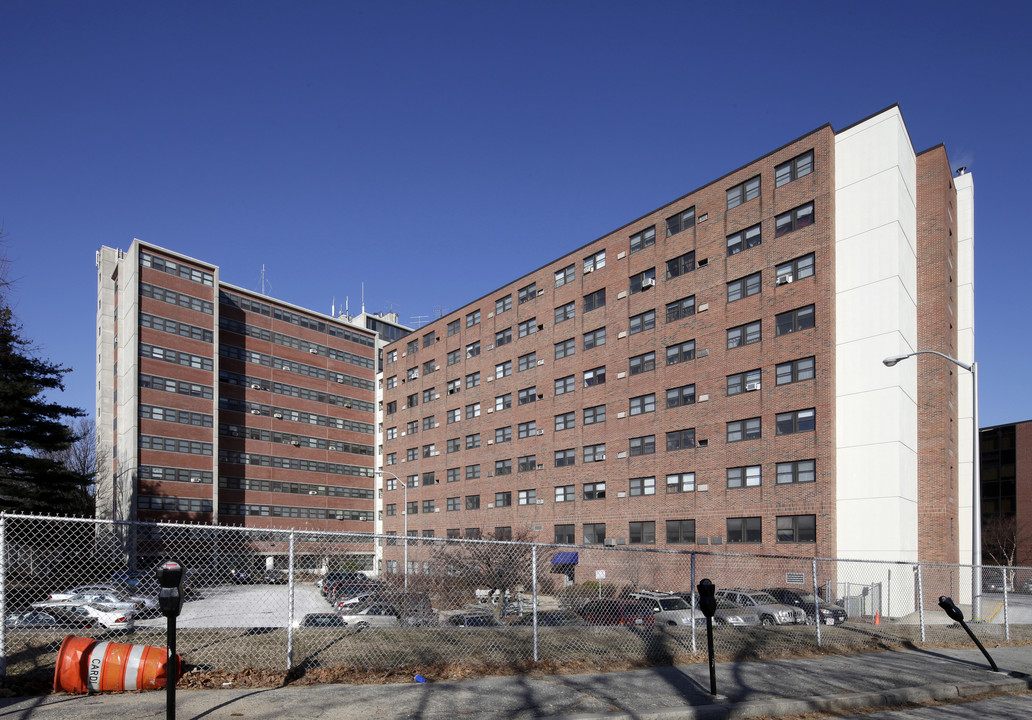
x,y
564,558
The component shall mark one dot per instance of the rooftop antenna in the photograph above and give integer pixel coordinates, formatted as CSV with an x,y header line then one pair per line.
x,y
420,320
441,311
264,281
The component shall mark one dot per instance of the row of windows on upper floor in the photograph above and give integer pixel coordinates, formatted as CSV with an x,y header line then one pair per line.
x,y
293,463
746,334
792,472
291,415
302,393
785,423
784,223
294,439
178,269
290,341
784,273
260,308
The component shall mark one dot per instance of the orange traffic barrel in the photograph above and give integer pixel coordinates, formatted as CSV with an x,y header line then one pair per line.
x,y
85,665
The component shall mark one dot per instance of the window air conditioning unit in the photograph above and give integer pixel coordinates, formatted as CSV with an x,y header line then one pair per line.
x,y
540,502
195,479
256,412
752,386
278,416
609,542
540,467
295,443
490,506
313,492
647,283
540,432
340,380
256,386
784,280
602,456
314,351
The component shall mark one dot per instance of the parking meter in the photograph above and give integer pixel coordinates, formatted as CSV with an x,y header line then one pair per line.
x,y
708,605
956,614
170,598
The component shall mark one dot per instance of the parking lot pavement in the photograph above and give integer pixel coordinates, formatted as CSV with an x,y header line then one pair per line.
x,y
245,606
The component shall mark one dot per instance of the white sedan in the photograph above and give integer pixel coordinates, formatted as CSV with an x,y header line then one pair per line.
x,y
375,615
111,618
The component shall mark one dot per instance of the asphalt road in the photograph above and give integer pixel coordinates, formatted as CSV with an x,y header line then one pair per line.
x,y
245,606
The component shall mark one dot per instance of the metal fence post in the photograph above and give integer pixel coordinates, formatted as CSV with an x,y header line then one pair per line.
x,y
1006,605
695,647
290,603
3,596
920,599
816,601
534,595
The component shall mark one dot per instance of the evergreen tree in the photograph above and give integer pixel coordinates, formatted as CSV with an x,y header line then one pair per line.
x,y
32,429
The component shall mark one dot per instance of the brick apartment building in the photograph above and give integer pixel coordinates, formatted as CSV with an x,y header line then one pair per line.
x,y
1006,474
710,373
220,405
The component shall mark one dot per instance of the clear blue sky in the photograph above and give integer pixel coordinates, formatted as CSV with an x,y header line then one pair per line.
x,y
397,143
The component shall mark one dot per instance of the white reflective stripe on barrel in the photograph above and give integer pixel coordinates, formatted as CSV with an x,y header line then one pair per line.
x,y
132,667
95,666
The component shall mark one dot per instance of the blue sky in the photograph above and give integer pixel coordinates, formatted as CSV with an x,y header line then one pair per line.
x,y
393,144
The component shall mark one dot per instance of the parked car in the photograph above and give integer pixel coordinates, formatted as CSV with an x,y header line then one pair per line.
x,y
633,613
321,620
1026,587
995,579
361,598
326,581
81,590
242,577
110,618
374,615
469,619
670,609
771,612
51,618
830,613
727,612
551,618
110,601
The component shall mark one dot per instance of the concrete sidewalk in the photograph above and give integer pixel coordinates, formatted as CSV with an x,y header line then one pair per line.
x,y
747,689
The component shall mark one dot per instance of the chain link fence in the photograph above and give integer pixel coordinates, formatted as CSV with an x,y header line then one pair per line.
x,y
295,601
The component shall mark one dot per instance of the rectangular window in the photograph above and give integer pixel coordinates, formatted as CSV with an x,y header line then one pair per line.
x,y
744,530
796,422
680,483
793,270
744,335
645,445
679,532
412,508
794,371
412,454
565,312
429,339
565,458
503,369
526,294
794,320
526,362
429,395
739,430
503,337
595,491
564,276
744,287
472,472
527,396
642,321
472,350
452,504
564,535
528,327
452,474
595,338
794,219
681,352
454,386
526,429
596,414
503,533
794,169
454,416
680,265
564,385
641,533
798,471
684,395
503,434
391,510
680,309
412,347
594,533
472,502
473,441
743,193
595,453
595,300
472,318
472,411
429,450
528,497
451,533
642,486
680,439
503,402
595,376
473,380
565,493
643,239
565,348
743,240
749,476
643,363
454,357
412,373
595,262
454,327
566,421
797,528
503,499
681,221
428,506
503,467
643,280
743,382
503,304
643,404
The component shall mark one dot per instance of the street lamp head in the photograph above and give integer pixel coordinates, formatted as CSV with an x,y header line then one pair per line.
x,y
890,361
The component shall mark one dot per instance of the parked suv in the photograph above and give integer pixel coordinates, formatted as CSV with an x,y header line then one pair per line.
x,y
830,613
670,609
634,613
771,612
727,612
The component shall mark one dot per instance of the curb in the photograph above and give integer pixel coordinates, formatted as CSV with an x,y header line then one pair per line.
x,y
776,707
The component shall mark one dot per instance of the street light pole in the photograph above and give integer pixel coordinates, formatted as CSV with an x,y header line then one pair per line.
x,y
976,476
404,513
